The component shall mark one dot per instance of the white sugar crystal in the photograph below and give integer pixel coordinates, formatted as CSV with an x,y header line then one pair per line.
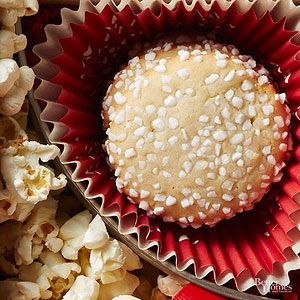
x,y
201,165
250,97
266,150
150,56
212,194
150,109
133,193
243,196
156,186
229,76
237,102
262,80
211,79
237,139
144,205
166,174
203,119
222,171
247,85
140,131
251,111
227,197
120,117
171,201
202,215
187,166
144,194
142,164
173,140
279,121
170,101
173,123
249,153
160,68
130,152
199,181
221,63
196,52
271,160
195,141
119,98
185,203
226,210
181,174
183,55
239,118
283,147
268,109
159,197
183,73
229,94
158,124
219,135
158,210
227,184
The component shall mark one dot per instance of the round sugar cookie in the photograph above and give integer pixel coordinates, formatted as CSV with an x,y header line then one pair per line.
x,y
196,131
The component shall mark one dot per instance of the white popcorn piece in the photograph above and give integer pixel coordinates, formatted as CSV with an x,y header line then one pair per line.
x,y
54,277
39,228
126,286
12,207
107,263
15,290
54,244
132,261
82,289
11,43
170,285
96,236
10,11
73,232
125,297
58,265
23,174
15,83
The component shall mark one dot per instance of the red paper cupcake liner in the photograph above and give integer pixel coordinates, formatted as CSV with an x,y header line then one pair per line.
x,y
79,58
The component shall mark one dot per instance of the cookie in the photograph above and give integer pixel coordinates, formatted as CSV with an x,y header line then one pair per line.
x,y
196,131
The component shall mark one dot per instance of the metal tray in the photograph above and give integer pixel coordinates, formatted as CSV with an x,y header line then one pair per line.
x,y
130,240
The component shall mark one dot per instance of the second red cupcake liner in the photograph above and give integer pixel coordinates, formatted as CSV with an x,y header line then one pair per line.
x,y
81,56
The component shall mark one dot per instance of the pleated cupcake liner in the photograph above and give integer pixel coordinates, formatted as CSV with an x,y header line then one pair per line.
x,y
81,55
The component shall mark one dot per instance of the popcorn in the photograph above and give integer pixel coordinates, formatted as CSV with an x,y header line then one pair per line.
x,y
10,11
15,290
132,261
158,295
126,286
83,288
170,285
12,209
54,277
73,232
39,228
15,83
107,263
96,236
11,43
23,174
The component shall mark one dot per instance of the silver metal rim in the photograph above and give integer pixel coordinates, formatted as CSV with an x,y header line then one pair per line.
x,y
130,240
